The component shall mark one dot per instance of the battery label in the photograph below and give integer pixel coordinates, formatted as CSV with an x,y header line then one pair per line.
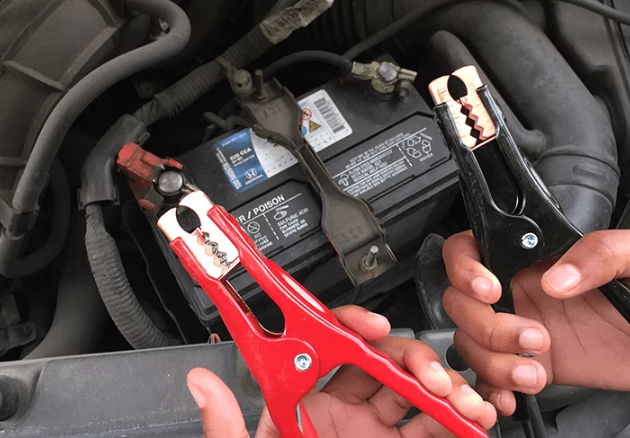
x,y
239,161
405,150
281,218
248,159
322,122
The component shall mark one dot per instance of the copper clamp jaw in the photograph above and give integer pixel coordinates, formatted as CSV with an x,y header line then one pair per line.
x,y
474,123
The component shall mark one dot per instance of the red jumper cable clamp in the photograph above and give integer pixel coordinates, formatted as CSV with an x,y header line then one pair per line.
x,y
286,365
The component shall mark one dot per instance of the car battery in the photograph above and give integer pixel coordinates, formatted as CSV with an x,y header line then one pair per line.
x,y
387,151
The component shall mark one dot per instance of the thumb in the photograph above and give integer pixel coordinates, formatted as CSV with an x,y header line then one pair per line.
x,y
220,413
593,261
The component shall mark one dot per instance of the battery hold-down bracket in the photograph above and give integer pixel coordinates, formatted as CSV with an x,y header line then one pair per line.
x,y
348,222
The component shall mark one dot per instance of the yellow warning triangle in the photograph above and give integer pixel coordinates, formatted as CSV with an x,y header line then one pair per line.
x,y
312,126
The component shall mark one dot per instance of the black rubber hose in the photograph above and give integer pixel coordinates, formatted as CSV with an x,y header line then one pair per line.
x,y
204,78
11,267
334,59
422,11
580,162
80,316
35,174
115,290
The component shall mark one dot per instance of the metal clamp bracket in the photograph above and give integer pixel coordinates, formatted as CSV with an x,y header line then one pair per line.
x,y
349,222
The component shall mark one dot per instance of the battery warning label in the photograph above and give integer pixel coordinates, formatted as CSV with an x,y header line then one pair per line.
x,y
281,218
406,150
248,160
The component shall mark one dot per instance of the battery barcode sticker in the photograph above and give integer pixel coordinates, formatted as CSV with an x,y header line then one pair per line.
x,y
330,114
322,122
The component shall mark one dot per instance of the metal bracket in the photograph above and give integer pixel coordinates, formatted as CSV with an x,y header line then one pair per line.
x,y
349,222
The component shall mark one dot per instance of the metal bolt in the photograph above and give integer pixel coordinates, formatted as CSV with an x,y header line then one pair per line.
x,y
170,182
302,362
387,72
529,241
370,262
259,85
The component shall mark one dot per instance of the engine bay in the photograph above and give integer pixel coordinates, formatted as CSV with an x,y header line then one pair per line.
x,y
216,96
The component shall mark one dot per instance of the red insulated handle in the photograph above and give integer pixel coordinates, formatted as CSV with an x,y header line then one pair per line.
x,y
308,430
333,343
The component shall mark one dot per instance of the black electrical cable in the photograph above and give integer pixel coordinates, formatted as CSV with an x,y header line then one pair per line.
x,y
98,190
534,427
394,28
624,222
75,101
35,175
114,287
334,59
183,93
15,268
400,25
601,9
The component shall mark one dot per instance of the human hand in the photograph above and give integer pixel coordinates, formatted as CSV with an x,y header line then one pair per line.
x,y
352,404
578,338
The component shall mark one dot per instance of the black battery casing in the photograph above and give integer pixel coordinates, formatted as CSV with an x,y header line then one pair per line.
x,y
395,158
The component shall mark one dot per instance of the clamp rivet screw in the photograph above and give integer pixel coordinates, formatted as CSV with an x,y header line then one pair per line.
x,y
529,241
302,362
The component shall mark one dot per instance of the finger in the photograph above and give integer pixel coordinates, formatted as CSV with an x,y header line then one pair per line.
x,y
220,414
498,332
424,426
366,324
266,428
465,400
420,360
465,271
593,261
503,400
351,384
502,370
423,363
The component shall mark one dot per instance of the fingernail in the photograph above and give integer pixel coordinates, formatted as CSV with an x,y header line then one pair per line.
x,y
531,339
482,286
198,394
378,319
438,369
469,392
466,389
495,399
564,277
525,375
438,375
